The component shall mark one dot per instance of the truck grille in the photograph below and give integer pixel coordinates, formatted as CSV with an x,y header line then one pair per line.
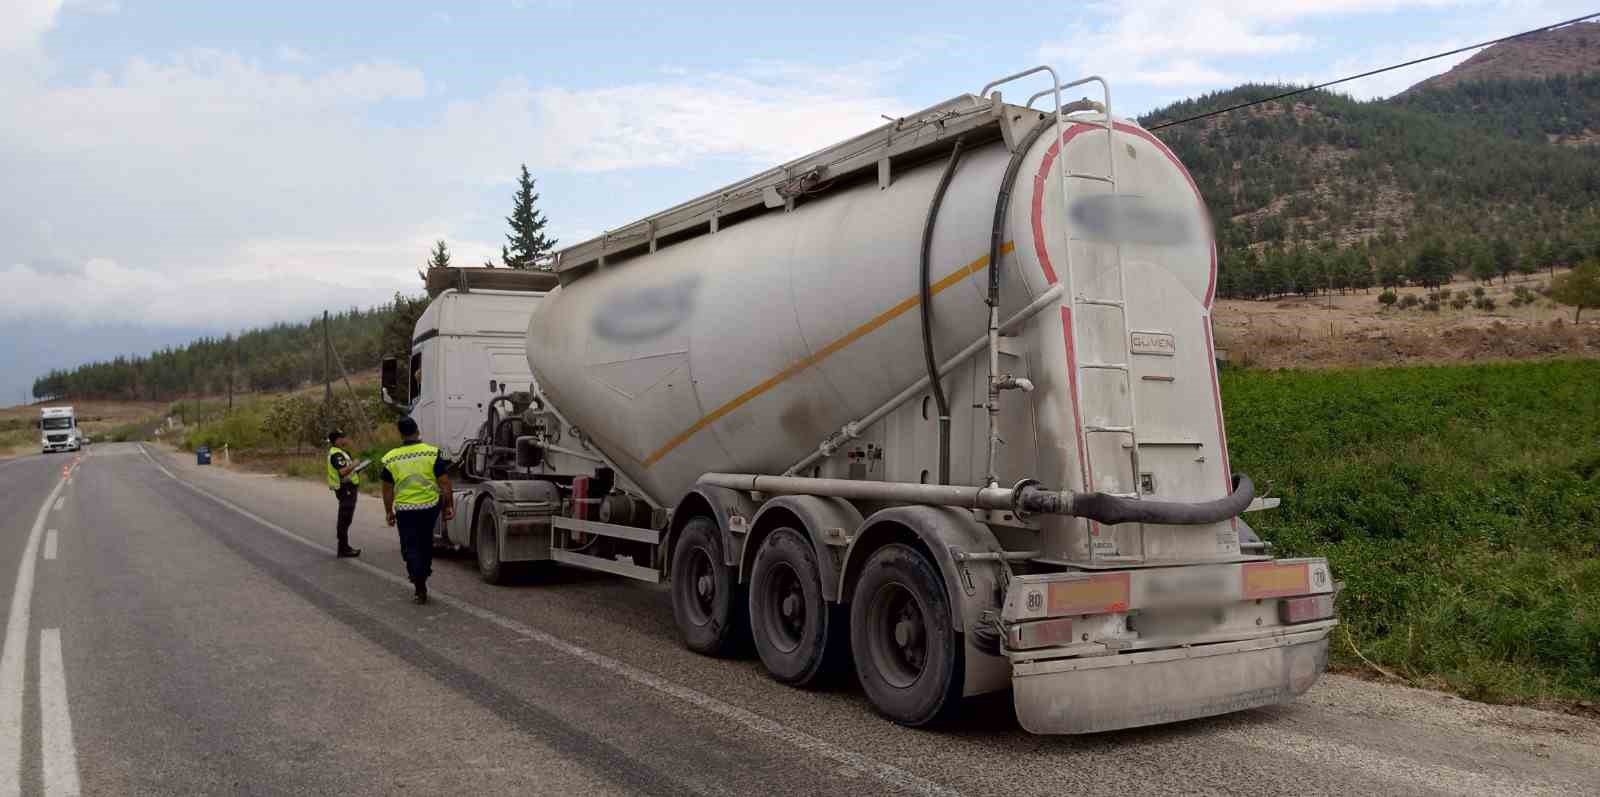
x,y
57,438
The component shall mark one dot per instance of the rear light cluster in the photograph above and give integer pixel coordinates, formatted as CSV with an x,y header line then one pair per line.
x,y
1305,609
1039,634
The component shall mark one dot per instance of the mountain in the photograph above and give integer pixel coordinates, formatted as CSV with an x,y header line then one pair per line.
x,y
1323,191
1571,50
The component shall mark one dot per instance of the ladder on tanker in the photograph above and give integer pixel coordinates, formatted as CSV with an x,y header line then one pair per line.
x,y
1120,359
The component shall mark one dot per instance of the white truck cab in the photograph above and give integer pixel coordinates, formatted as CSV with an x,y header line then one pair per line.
x,y
467,348
58,430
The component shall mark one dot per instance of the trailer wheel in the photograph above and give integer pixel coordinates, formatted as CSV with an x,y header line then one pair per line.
x,y
705,603
907,655
486,529
798,634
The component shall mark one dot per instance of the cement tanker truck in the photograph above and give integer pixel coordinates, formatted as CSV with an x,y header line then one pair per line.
x,y
938,403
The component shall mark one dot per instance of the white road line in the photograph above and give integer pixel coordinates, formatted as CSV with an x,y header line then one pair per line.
x,y
50,544
13,659
853,761
55,720
60,501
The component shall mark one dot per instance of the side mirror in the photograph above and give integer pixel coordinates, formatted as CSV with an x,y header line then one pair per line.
x,y
389,383
391,375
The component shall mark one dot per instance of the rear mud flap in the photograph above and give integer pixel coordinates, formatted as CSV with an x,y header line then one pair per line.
x,y
1106,693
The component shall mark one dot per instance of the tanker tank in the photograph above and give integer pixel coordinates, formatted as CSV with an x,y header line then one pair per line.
x,y
728,337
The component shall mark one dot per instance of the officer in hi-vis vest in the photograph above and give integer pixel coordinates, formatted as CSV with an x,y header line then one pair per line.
x,y
415,489
345,483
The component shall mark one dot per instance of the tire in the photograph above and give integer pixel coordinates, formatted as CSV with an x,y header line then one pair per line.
x,y
485,528
706,599
797,632
907,655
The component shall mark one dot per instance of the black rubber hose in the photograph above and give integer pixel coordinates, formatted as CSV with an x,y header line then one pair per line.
x,y
1111,510
1002,204
934,382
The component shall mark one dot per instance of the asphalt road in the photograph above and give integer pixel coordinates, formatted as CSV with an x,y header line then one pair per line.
x,y
174,629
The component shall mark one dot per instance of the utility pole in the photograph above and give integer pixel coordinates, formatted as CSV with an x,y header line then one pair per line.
x,y
327,366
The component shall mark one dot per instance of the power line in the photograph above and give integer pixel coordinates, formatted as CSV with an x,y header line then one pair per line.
x,y
1370,73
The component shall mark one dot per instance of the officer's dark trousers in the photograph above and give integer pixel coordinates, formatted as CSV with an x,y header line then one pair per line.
x,y
416,541
347,512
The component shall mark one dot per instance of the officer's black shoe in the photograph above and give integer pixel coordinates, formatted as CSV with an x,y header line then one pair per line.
x,y
349,552
419,598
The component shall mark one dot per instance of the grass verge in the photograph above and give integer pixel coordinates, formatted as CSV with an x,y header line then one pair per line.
x,y
1459,504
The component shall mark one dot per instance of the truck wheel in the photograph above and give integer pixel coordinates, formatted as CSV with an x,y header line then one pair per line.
x,y
906,653
705,602
798,634
488,544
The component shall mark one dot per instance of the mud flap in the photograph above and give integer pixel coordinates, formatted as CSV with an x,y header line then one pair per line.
x,y
1105,693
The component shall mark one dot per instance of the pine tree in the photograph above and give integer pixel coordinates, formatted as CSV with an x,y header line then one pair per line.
x,y
1578,288
1431,267
526,246
1505,258
440,256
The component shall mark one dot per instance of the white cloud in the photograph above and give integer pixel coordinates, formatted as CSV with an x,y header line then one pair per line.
x,y
293,55
103,7
25,22
209,188
1183,72
1175,42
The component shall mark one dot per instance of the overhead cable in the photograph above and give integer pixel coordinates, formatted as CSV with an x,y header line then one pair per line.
x,y
1370,73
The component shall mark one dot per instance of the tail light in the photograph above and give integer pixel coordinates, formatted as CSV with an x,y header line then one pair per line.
x,y
1039,634
1306,609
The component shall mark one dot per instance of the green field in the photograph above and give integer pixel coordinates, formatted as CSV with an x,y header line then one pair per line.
x,y
1459,504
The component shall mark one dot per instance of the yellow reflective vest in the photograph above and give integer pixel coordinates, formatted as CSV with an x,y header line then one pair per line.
x,y
334,479
411,466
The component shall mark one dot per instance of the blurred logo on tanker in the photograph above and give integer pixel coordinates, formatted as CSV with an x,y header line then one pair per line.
x,y
1129,219
636,314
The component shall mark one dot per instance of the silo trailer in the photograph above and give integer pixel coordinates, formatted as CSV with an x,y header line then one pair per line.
x,y
938,403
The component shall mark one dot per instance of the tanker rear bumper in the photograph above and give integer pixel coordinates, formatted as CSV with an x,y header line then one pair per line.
x,y
1112,692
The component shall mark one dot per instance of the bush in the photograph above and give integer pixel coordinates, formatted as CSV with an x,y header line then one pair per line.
x,y
1445,294
138,431
1484,303
1409,301
1460,302
1479,291
1388,298
239,429
1432,306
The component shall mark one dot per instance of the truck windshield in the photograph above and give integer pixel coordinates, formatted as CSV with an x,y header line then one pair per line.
x,y
58,423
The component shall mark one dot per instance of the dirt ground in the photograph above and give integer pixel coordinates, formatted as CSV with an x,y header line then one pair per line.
x,y
1355,330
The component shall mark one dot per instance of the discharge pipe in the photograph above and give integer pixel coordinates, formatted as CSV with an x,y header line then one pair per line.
x,y
1026,498
927,312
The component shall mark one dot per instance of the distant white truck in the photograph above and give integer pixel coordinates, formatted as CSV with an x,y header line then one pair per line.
x,y
58,430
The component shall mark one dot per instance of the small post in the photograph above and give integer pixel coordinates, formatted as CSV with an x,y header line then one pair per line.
x,y
354,398
327,365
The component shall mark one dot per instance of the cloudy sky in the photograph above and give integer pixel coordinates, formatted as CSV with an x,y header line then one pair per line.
x,y
178,167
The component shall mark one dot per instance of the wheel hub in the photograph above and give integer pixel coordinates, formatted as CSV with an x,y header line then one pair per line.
x,y
703,586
